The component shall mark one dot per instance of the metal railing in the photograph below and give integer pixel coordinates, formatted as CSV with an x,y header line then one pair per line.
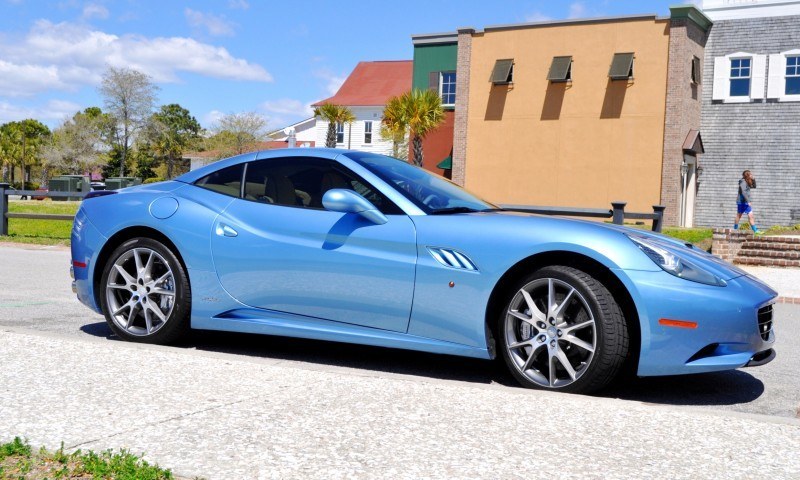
x,y
617,211
5,191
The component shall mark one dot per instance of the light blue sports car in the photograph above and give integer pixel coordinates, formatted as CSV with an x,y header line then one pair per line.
x,y
356,247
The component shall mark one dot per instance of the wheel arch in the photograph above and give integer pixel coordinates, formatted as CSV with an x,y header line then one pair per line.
x,y
118,239
578,261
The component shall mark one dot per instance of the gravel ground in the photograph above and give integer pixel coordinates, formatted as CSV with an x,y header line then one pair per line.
x,y
223,416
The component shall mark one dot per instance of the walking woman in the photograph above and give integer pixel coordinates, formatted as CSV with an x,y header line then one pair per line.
x,y
743,201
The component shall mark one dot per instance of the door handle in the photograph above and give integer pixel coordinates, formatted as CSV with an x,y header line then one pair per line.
x,y
225,231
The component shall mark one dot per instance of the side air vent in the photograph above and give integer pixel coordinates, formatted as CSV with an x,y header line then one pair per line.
x,y
451,258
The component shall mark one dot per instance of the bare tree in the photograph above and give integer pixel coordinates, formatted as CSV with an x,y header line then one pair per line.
x,y
75,145
130,96
240,132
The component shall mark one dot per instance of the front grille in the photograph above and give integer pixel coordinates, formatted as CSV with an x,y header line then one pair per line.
x,y
765,321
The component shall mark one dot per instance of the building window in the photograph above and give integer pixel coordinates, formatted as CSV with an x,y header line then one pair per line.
x,y
792,75
740,77
621,67
368,131
560,69
503,72
697,75
339,132
447,88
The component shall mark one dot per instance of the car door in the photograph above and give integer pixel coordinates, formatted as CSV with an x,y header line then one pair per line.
x,y
277,248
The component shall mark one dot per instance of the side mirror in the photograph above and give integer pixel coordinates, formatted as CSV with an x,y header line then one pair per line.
x,y
348,201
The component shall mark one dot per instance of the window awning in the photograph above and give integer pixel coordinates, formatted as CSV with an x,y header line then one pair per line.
x,y
621,66
560,69
446,164
501,74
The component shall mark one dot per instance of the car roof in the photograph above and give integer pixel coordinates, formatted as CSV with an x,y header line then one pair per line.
x,y
326,153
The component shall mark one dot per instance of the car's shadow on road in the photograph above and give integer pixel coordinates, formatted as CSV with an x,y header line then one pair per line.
x,y
721,388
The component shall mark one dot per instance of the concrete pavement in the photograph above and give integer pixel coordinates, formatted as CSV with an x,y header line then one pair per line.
x,y
226,416
221,415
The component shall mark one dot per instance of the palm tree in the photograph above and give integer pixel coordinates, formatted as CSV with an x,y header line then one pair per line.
x,y
394,125
424,113
333,114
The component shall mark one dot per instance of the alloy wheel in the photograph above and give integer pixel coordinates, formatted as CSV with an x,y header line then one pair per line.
x,y
550,333
140,292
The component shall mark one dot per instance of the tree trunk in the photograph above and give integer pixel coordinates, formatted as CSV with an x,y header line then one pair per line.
x,y
45,176
330,139
169,167
5,172
418,160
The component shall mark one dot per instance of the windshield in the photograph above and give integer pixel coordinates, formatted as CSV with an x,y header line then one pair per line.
x,y
431,193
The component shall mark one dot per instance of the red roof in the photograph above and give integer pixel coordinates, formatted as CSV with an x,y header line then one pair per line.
x,y
373,83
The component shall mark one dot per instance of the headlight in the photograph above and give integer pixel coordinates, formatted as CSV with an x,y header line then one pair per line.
x,y
674,264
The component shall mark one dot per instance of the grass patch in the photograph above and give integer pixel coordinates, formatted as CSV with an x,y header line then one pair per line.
x,y
43,232
19,460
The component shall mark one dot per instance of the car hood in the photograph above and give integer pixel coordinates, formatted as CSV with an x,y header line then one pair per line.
x,y
600,236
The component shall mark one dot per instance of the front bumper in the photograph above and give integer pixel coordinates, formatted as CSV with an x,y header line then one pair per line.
x,y
727,334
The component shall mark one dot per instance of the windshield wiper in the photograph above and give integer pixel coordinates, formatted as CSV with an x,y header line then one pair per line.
x,y
445,211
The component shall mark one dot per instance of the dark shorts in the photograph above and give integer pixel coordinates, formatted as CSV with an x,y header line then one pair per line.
x,y
743,208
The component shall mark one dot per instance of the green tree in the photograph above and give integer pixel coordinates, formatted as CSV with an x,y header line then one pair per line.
x,y
333,114
394,127
424,113
172,130
22,143
129,96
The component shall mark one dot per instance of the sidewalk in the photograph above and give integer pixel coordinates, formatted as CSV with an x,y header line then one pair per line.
x,y
223,416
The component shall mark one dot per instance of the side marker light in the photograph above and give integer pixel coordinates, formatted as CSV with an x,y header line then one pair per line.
x,y
677,323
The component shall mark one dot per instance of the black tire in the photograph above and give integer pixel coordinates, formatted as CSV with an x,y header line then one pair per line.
x,y
136,302
567,338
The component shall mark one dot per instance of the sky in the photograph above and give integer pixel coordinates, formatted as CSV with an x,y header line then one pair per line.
x,y
229,56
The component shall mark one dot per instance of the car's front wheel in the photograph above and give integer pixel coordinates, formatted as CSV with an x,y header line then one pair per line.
x,y
146,295
561,329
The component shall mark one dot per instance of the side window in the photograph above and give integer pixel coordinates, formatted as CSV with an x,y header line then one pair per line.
x,y
339,132
301,182
227,181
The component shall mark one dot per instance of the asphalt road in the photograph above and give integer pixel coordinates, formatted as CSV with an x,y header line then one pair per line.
x,y
35,295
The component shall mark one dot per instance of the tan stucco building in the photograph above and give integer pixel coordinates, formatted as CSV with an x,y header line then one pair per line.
x,y
575,113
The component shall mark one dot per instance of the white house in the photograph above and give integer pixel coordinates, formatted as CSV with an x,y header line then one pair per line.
x,y
366,92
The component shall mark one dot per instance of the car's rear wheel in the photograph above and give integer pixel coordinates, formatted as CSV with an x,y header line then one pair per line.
x,y
561,329
146,294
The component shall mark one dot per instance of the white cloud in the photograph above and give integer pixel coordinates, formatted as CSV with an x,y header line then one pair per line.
x,y
286,111
238,4
217,26
66,56
52,113
333,81
577,10
17,80
211,118
94,10
288,106
537,17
